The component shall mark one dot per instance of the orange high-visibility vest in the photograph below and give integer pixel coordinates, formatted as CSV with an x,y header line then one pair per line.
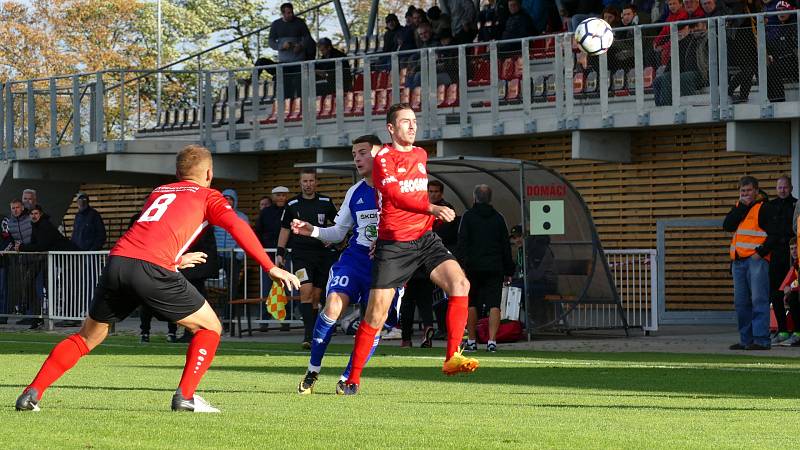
x,y
749,235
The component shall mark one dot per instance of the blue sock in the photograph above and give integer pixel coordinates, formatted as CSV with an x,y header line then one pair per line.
x,y
346,373
323,330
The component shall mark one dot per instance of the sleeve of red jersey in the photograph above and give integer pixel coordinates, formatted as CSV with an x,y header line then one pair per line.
x,y
220,213
384,172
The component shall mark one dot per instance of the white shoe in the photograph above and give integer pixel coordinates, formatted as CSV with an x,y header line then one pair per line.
x,y
196,404
394,333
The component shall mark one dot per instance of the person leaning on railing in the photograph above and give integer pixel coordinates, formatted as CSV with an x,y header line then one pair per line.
x,y
693,64
44,235
781,52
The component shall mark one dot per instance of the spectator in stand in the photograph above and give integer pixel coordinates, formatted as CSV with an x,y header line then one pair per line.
x,y
264,202
20,227
662,41
22,272
544,14
392,34
781,52
406,39
519,25
418,17
88,230
439,21
326,69
620,55
485,255
750,221
29,199
693,63
488,22
463,19
289,35
426,40
741,48
44,235
611,16
693,9
581,10
790,289
231,261
410,16
782,208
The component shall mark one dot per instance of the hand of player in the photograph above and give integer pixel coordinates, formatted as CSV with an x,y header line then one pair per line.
x,y
443,213
302,228
288,280
192,259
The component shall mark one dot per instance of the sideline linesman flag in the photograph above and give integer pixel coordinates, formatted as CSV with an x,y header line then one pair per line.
x,y
276,301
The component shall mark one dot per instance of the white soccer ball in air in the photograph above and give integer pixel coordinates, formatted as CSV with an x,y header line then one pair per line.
x,y
594,36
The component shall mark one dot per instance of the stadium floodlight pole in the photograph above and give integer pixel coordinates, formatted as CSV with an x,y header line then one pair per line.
x,y
158,59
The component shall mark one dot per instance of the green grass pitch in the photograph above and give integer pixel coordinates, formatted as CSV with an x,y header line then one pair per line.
x,y
118,397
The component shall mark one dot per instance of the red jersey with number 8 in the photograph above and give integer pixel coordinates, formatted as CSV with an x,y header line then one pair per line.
x,y
172,218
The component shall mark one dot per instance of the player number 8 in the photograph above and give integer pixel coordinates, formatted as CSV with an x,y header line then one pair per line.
x,y
342,281
157,208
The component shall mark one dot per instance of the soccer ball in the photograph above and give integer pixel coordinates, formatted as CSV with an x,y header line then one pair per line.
x,y
594,36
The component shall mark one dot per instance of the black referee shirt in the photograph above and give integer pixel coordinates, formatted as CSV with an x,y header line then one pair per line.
x,y
318,211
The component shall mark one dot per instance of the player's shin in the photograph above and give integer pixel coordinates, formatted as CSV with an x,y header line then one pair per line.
x,y
62,358
349,368
323,330
199,355
457,311
365,339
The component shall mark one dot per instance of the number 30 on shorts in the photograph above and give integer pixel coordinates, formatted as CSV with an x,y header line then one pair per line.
x,y
341,281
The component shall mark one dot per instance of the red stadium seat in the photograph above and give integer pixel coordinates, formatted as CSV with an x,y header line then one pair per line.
x,y
513,91
405,95
440,91
383,80
348,103
358,82
382,98
451,96
480,72
318,104
416,99
648,79
358,105
328,107
297,110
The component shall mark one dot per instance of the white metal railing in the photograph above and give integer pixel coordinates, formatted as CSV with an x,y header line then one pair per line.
x,y
635,276
72,277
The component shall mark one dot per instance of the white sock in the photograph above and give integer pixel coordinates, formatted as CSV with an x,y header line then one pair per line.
x,y
314,368
491,342
470,341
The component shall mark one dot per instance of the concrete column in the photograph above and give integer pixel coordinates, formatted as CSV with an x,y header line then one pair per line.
x,y
611,146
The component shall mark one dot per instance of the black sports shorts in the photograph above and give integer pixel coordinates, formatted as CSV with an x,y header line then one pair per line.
x,y
396,261
312,266
127,283
485,288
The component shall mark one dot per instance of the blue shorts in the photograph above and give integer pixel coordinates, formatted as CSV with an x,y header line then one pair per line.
x,y
352,276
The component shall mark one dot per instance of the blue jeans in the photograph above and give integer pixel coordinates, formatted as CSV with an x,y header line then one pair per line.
x,y
751,299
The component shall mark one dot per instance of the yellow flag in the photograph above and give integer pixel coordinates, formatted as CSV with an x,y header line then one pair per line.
x,y
276,302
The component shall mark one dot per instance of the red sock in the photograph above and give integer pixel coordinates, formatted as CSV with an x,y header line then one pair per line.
x,y
60,360
456,322
365,336
198,358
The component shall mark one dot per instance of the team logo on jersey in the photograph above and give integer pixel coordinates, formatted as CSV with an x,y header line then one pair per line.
x,y
401,170
321,218
389,179
360,201
415,185
371,232
421,168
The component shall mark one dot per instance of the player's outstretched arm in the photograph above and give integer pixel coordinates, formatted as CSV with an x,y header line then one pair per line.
x,y
289,280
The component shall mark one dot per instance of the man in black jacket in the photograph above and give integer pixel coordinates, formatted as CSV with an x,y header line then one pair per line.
x,y
485,254
44,235
782,208
326,69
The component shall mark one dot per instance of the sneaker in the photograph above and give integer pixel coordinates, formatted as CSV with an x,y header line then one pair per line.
x,y
755,346
195,404
306,385
793,341
393,334
427,341
340,387
36,324
171,338
306,345
780,337
405,344
440,335
491,348
144,338
467,347
28,400
347,388
459,363
737,346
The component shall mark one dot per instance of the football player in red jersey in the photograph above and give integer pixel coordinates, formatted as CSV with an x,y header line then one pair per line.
x,y
142,269
406,243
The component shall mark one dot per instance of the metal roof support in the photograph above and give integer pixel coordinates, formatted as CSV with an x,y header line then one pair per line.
x,y
337,4
373,15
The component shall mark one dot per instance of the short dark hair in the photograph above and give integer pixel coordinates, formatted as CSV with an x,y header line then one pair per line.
x,y
785,177
631,7
368,138
287,5
611,9
793,240
16,200
308,171
748,180
394,109
483,193
37,207
436,183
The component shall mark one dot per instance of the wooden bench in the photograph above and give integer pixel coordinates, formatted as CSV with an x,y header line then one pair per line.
x,y
242,304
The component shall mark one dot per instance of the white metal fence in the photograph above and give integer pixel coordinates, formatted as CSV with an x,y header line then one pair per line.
x,y
72,277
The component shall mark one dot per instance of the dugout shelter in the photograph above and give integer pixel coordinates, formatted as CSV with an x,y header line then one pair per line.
x,y
566,280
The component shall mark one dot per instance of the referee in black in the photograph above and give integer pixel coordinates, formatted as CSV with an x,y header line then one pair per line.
x,y
311,259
